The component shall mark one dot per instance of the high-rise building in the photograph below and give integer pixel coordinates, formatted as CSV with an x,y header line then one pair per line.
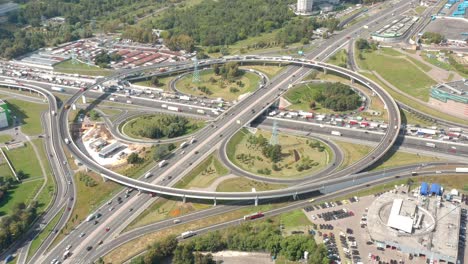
x,y
304,6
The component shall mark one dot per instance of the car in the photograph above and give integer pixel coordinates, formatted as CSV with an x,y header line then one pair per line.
x,y
109,202
88,248
131,209
82,234
107,229
68,247
110,209
100,243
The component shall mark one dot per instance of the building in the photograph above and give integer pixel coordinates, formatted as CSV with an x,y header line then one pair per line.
x,y
451,98
4,114
304,7
111,149
423,226
396,31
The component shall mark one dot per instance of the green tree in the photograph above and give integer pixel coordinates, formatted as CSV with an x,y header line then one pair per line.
x,y
133,158
155,81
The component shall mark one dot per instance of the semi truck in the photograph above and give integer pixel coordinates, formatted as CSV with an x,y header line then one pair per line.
x,y
187,234
173,108
431,145
90,217
57,89
162,163
461,170
336,133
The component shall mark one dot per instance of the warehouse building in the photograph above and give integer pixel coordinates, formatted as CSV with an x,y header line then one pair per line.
x,y
416,224
451,98
111,149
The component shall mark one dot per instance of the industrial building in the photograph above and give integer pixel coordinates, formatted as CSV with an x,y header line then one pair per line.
x,y
4,114
304,7
420,223
451,98
396,31
109,150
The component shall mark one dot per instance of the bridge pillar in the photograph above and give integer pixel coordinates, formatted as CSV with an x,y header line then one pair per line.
x,y
183,199
214,204
325,71
104,179
295,196
256,201
352,80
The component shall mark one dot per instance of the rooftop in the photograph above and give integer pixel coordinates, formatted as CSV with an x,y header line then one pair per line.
x,y
396,28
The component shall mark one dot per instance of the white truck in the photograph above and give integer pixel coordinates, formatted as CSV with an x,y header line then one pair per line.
x,y
67,141
112,99
162,163
336,133
187,234
164,106
461,170
57,89
200,111
66,254
129,101
90,217
184,144
431,145
173,108
184,97
147,175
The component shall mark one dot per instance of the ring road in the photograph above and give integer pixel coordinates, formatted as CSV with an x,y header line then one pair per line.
x,y
230,126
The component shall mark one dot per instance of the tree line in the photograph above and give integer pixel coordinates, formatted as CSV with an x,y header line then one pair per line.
x,y
263,237
166,126
338,97
17,223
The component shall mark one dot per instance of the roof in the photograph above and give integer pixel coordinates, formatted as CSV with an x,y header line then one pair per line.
x,y
110,148
435,188
397,221
424,188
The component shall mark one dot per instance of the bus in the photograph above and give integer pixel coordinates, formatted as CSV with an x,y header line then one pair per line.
x,y
253,216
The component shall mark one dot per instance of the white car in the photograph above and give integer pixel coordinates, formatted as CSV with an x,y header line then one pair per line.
x,y
82,234
68,247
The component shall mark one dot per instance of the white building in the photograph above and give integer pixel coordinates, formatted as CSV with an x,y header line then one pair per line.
x,y
304,7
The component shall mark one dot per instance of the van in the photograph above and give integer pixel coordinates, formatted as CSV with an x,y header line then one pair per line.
x,y
176,221
147,175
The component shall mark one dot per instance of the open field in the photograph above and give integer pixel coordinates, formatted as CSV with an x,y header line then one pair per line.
x,y
80,68
5,138
408,101
132,127
398,71
164,208
242,184
36,243
29,115
339,59
163,83
296,151
410,118
20,193
29,166
269,70
87,198
204,174
220,88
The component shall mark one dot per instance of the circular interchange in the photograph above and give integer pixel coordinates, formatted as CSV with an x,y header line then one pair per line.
x,y
387,142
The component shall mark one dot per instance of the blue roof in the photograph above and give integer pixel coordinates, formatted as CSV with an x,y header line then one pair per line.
x,y
424,188
436,189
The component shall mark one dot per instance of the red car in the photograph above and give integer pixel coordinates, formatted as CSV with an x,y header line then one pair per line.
x,y
107,229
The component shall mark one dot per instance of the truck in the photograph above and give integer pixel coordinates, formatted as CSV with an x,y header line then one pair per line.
x,y
253,216
455,129
112,99
461,170
336,133
90,217
173,108
353,122
129,101
184,144
431,145
193,140
66,254
162,163
187,234
147,175
184,97
67,141
164,106
201,111
57,89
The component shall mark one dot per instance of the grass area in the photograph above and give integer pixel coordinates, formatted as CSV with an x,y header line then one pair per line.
x,y
163,83
132,127
164,208
400,97
19,193
229,91
413,119
80,68
110,112
397,71
136,246
204,174
5,138
45,196
37,241
242,184
269,70
249,157
88,198
339,59
28,114
136,170
419,9
432,59
29,166
294,219
351,152
5,170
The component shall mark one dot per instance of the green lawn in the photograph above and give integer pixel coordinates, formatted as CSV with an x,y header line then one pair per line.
x,y
410,118
408,101
29,166
269,70
5,138
398,71
45,197
204,174
80,68
29,114
420,9
36,243
339,59
5,170
242,184
294,219
163,83
254,161
221,88
133,126
20,193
